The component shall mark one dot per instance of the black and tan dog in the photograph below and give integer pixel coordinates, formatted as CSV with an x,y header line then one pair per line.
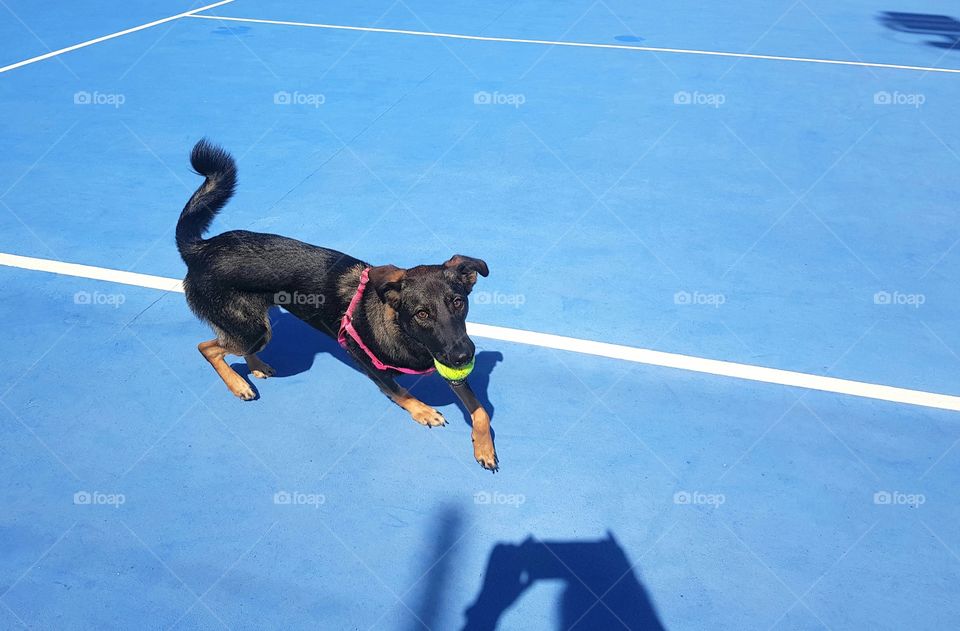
x,y
402,320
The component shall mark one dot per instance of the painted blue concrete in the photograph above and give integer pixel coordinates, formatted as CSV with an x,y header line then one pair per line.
x,y
814,28
800,298
29,28
111,397
125,404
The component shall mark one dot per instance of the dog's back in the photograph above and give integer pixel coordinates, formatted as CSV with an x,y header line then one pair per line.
x,y
250,271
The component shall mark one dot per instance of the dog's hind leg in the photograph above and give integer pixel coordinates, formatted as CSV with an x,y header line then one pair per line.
x,y
242,328
214,353
258,368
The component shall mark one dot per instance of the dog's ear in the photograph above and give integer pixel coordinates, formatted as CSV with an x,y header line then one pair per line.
x,y
466,268
387,280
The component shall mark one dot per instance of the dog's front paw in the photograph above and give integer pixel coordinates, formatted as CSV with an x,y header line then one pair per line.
x,y
426,415
485,453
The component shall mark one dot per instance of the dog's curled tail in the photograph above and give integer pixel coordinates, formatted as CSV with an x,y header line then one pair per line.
x,y
220,171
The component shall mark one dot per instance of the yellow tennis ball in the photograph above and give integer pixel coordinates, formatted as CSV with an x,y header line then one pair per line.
x,y
454,374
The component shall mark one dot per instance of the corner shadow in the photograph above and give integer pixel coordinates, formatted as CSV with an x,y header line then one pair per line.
x,y
295,344
942,26
586,568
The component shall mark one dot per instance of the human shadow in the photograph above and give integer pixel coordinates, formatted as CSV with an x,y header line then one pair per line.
x,y
439,563
295,345
601,591
942,26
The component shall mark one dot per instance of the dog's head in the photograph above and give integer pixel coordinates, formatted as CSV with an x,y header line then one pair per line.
x,y
431,304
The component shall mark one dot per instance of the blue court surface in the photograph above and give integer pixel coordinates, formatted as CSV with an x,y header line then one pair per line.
x,y
771,183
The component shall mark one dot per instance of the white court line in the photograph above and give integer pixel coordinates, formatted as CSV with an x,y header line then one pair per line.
x,y
575,345
91,42
88,271
516,40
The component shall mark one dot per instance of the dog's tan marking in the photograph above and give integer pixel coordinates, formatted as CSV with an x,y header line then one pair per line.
x,y
214,353
259,368
483,449
419,411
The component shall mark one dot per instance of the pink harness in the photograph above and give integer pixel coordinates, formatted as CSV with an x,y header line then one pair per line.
x,y
346,328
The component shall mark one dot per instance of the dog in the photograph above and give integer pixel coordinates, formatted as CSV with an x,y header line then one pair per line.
x,y
390,320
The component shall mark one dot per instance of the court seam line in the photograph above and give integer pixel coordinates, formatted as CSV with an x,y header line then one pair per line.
x,y
716,367
543,42
97,40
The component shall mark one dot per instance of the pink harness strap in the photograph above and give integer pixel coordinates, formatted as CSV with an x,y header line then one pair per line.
x,y
347,328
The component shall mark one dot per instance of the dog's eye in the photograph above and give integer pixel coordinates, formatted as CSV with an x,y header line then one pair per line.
x,y
457,302
423,314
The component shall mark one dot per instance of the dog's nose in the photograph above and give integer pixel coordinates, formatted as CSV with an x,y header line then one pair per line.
x,y
459,358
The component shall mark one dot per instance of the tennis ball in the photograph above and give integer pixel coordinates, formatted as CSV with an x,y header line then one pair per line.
x,y
454,374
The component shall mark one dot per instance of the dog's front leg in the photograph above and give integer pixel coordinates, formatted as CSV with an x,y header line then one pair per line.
x,y
483,449
419,411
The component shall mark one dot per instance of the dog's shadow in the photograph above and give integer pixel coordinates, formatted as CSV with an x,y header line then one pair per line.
x,y
295,344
